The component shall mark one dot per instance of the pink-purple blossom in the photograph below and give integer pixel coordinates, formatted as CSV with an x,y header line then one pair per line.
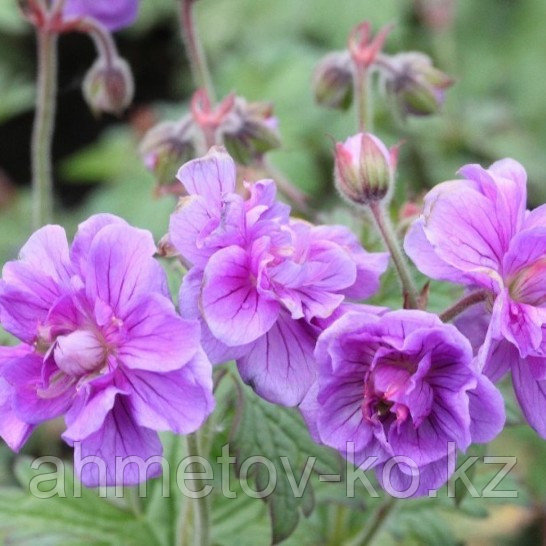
x,y
113,14
400,384
260,278
101,344
477,232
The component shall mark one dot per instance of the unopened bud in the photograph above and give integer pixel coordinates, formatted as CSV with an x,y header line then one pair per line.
x,y
108,86
333,81
249,131
418,87
167,146
364,169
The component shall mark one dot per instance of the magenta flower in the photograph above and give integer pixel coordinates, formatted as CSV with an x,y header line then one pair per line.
x,y
113,14
260,278
477,232
102,344
400,384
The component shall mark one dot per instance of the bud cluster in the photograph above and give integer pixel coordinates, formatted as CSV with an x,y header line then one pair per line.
x,y
417,86
248,130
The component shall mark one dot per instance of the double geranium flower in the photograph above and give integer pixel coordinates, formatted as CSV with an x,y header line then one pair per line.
x,y
261,280
400,384
102,344
477,232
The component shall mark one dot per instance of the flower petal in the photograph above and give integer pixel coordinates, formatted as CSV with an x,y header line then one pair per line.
x,y
118,438
233,309
121,267
188,303
531,393
211,176
157,339
487,415
280,365
179,401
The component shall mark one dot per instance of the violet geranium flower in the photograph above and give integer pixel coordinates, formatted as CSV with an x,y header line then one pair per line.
x,y
400,384
101,344
477,232
113,14
260,279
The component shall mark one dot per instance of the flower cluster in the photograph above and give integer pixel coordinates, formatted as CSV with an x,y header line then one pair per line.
x,y
101,344
400,384
259,279
477,232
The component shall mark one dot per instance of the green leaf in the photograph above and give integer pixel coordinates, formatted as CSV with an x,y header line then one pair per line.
x,y
278,434
75,519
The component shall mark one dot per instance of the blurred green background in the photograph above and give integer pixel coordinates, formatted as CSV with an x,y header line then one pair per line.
x,y
266,50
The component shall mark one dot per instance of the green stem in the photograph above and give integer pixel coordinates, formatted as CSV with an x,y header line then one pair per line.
x,y
464,303
388,235
378,519
194,49
42,135
362,99
201,509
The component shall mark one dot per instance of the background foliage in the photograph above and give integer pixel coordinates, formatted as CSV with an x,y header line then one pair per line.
x,y
496,50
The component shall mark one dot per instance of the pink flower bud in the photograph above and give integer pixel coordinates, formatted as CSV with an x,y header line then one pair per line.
x,y
333,80
364,169
108,86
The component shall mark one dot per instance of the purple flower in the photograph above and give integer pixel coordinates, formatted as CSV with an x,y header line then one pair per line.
x,y
113,14
400,384
102,344
477,232
260,278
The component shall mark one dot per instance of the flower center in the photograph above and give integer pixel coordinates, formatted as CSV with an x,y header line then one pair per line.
x,y
80,353
527,286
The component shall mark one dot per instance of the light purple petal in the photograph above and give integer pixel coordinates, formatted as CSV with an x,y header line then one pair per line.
x,y
464,230
188,303
531,393
87,231
14,431
280,365
487,415
422,253
179,401
121,267
212,176
233,309
118,438
535,218
157,339
91,408
47,251
430,477
113,14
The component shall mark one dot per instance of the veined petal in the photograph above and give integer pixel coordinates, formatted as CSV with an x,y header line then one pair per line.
x,y
179,401
188,303
487,415
531,394
118,438
121,267
233,309
280,365
211,176
157,339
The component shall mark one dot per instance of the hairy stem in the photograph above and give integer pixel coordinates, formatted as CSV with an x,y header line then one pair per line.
x,y
375,524
201,509
42,134
388,235
194,49
464,303
362,99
